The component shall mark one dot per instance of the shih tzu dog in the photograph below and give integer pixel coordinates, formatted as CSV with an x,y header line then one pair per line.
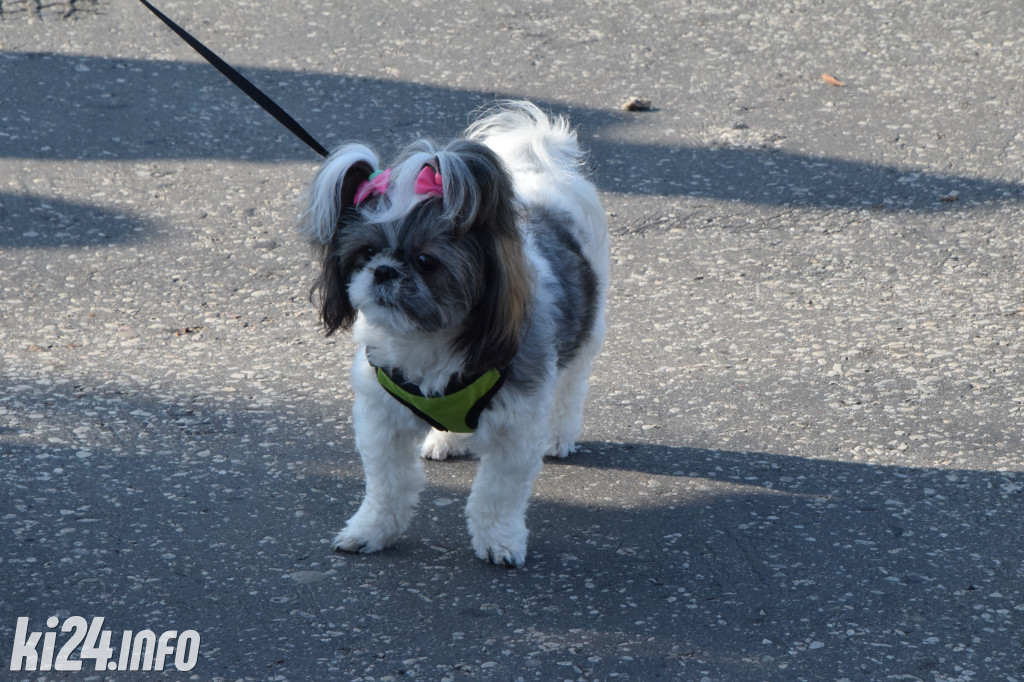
x,y
474,277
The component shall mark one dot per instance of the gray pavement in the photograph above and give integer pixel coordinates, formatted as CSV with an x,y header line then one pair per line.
x,y
803,448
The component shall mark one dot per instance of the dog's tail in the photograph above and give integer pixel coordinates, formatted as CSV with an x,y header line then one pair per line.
x,y
527,140
546,164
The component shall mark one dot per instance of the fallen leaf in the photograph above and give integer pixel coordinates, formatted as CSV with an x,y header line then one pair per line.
x,y
832,80
637,104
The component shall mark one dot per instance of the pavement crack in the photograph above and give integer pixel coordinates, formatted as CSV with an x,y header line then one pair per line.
x,y
752,562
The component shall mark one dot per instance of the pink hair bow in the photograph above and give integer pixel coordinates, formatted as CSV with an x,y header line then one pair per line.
x,y
376,184
429,182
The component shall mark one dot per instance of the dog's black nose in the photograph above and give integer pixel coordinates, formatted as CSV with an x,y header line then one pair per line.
x,y
384,273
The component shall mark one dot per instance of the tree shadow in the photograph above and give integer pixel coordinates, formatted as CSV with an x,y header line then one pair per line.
x,y
34,221
750,557
97,108
179,511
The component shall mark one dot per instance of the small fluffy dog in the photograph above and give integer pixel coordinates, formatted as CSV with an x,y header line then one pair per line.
x,y
474,278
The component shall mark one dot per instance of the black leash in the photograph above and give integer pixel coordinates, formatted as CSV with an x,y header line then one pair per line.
x,y
254,93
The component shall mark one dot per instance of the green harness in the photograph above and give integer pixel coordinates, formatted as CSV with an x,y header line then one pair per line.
x,y
457,410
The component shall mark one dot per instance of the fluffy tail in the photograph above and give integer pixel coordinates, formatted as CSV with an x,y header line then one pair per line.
x,y
528,140
546,163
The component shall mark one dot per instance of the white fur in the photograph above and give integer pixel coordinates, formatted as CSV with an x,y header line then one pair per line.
x,y
402,196
516,430
324,204
545,161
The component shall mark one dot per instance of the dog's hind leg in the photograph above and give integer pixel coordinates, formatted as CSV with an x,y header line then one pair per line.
x,y
567,412
443,444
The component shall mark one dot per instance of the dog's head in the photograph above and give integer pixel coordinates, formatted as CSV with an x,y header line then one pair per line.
x,y
429,245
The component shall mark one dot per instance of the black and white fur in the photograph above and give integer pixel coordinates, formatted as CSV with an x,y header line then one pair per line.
x,y
508,270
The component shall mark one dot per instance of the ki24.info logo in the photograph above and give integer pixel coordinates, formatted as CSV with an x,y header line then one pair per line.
x,y
142,650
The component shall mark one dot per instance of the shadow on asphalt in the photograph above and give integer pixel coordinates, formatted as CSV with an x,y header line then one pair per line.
x,y
35,221
217,517
96,109
824,513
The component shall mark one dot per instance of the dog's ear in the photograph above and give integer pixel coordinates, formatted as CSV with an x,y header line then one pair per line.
x,y
332,193
330,292
494,327
330,205
479,196
477,187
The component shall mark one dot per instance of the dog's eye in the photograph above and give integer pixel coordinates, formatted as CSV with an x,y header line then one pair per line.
x,y
427,263
369,252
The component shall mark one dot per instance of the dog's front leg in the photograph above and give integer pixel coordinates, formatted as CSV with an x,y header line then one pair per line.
x,y
389,449
496,509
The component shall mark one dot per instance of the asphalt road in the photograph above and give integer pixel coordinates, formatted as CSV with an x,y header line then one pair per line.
x,y
803,447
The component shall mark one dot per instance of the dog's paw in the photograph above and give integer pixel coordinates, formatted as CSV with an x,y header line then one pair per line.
x,y
440,445
501,545
502,554
362,538
560,448
505,556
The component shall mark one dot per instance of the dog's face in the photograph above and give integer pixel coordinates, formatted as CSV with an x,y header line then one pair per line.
x,y
419,263
411,276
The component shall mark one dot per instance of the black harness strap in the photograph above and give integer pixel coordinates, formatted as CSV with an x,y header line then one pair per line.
x,y
254,93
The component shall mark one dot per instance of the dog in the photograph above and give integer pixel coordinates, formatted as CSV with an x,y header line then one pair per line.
x,y
473,277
